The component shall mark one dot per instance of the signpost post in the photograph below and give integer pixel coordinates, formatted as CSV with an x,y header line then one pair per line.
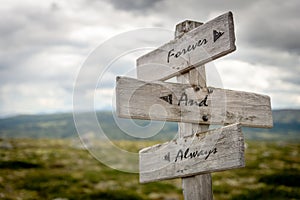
x,y
197,151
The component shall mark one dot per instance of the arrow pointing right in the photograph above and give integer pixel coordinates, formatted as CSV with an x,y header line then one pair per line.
x,y
217,35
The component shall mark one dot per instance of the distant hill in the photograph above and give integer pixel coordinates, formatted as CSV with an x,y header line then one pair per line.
x,y
63,126
286,127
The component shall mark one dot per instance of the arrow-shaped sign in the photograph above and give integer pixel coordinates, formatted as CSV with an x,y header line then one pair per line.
x,y
215,150
217,35
167,98
193,49
182,103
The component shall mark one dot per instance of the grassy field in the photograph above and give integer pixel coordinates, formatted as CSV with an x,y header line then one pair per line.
x,y
54,169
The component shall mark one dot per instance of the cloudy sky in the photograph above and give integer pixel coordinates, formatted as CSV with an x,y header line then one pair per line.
x,y
45,44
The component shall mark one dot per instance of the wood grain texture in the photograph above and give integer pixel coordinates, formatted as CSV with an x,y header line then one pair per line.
x,y
151,100
197,187
215,150
203,44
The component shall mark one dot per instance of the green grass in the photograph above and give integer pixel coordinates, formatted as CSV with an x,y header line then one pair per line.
x,y
49,169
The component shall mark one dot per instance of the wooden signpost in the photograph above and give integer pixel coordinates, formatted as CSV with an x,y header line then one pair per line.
x,y
185,103
196,47
211,151
197,151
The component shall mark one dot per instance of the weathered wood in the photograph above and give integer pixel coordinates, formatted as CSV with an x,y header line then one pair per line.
x,y
216,150
187,103
198,187
196,47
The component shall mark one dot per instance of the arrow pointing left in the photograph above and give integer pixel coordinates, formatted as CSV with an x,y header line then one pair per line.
x,y
167,98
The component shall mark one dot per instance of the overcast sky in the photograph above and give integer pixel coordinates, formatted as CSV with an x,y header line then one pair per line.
x,y
44,44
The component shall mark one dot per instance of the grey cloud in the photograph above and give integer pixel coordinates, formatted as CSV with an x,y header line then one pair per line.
x,y
134,5
25,32
293,79
267,34
272,25
172,12
36,28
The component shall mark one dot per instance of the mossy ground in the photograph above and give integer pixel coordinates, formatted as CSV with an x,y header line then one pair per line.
x,y
53,169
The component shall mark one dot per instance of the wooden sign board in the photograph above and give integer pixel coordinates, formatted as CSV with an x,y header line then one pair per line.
x,y
185,103
196,47
215,150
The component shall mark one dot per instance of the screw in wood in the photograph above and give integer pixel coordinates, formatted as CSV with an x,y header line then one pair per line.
x,y
209,90
205,118
196,88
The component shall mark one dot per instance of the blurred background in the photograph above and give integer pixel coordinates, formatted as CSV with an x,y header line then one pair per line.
x,y
45,44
